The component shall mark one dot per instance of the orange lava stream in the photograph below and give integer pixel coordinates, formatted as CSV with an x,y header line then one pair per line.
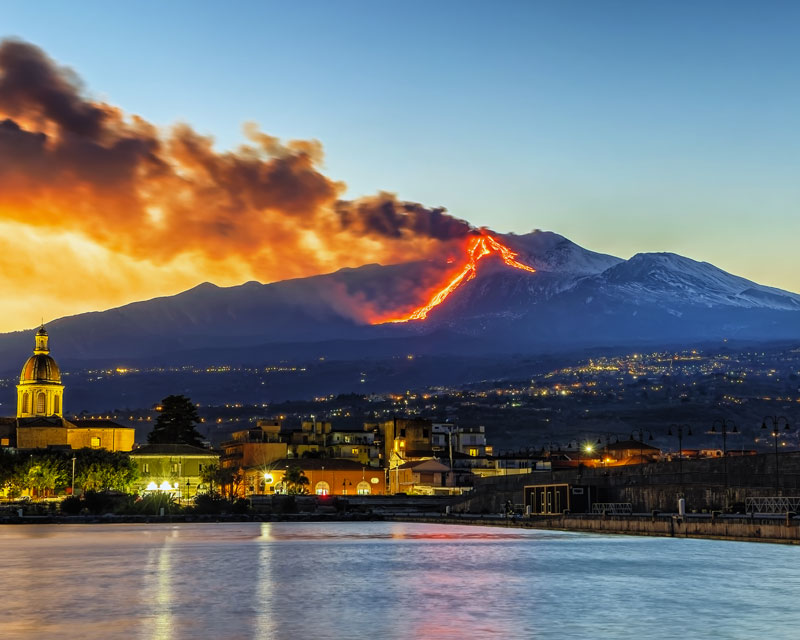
x,y
478,248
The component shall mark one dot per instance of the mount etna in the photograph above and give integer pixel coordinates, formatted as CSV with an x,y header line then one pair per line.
x,y
541,294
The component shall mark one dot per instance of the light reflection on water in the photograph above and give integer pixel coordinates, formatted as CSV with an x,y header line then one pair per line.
x,y
386,580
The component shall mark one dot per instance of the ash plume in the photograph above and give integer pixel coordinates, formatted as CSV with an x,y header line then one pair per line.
x,y
71,164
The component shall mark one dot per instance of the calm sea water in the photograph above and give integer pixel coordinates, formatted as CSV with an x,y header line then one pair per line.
x,y
386,580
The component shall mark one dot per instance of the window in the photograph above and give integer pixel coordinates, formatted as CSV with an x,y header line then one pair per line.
x,y
354,451
473,452
175,467
57,404
95,442
41,401
322,489
363,488
146,467
4,442
200,467
26,402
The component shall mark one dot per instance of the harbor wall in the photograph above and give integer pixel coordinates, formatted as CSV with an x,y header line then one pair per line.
x,y
745,529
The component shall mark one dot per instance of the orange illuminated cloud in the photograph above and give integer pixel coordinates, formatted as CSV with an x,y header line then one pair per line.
x,y
115,209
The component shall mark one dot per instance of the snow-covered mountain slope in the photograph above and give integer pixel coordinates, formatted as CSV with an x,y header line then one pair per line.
x,y
548,251
670,279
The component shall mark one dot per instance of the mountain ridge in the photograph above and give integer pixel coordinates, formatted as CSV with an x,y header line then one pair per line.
x,y
576,297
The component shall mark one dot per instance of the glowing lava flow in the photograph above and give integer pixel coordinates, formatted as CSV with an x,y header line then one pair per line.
x,y
478,248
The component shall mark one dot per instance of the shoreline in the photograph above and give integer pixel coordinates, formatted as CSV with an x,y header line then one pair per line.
x,y
778,529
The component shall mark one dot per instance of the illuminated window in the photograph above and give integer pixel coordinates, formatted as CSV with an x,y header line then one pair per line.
x,y
146,467
175,467
40,402
4,442
354,451
57,404
363,489
95,443
322,489
26,402
473,452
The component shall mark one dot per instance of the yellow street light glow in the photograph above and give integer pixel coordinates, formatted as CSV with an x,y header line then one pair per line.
x,y
152,487
268,478
165,486
588,448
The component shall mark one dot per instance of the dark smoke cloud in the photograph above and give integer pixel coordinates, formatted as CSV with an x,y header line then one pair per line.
x,y
383,215
31,82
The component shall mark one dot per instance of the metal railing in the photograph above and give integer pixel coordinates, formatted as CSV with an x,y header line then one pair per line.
x,y
776,504
613,508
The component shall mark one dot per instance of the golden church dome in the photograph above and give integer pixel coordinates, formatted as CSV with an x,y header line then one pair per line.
x,y
40,368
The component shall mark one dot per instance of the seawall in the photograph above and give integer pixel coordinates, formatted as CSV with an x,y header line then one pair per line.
x,y
779,529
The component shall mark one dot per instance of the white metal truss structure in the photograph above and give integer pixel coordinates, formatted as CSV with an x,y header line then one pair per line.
x,y
777,504
613,508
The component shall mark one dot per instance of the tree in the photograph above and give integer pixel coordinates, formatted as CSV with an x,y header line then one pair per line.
x,y
295,481
227,479
101,470
176,423
42,473
210,476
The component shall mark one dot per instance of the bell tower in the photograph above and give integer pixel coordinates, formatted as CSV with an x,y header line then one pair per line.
x,y
40,392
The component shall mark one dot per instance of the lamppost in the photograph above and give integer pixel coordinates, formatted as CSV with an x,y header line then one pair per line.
x,y
606,440
679,432
641,433
723,424
776,422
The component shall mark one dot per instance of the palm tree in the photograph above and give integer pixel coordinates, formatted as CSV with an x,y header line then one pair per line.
x,y
210,476
295,480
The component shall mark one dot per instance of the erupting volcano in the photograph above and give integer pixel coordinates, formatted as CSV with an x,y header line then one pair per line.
x,y
477,248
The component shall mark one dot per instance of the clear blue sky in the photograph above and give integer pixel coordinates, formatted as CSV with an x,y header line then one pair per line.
x,y
626,126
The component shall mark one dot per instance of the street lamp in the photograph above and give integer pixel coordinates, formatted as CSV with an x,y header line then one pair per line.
x,y
679,432
776,422
605,440
641,433
723,424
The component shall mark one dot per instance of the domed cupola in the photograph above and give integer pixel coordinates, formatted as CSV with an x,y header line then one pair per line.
x,y
40,392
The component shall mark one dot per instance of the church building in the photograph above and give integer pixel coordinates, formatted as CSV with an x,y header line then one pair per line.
x,y
40,422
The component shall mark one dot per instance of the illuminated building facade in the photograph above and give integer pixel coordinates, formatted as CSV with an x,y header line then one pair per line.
x,y
407,439
421,477
173,468
326,476
40,422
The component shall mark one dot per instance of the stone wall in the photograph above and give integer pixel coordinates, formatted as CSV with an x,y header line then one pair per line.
x,y
784,530
707,484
